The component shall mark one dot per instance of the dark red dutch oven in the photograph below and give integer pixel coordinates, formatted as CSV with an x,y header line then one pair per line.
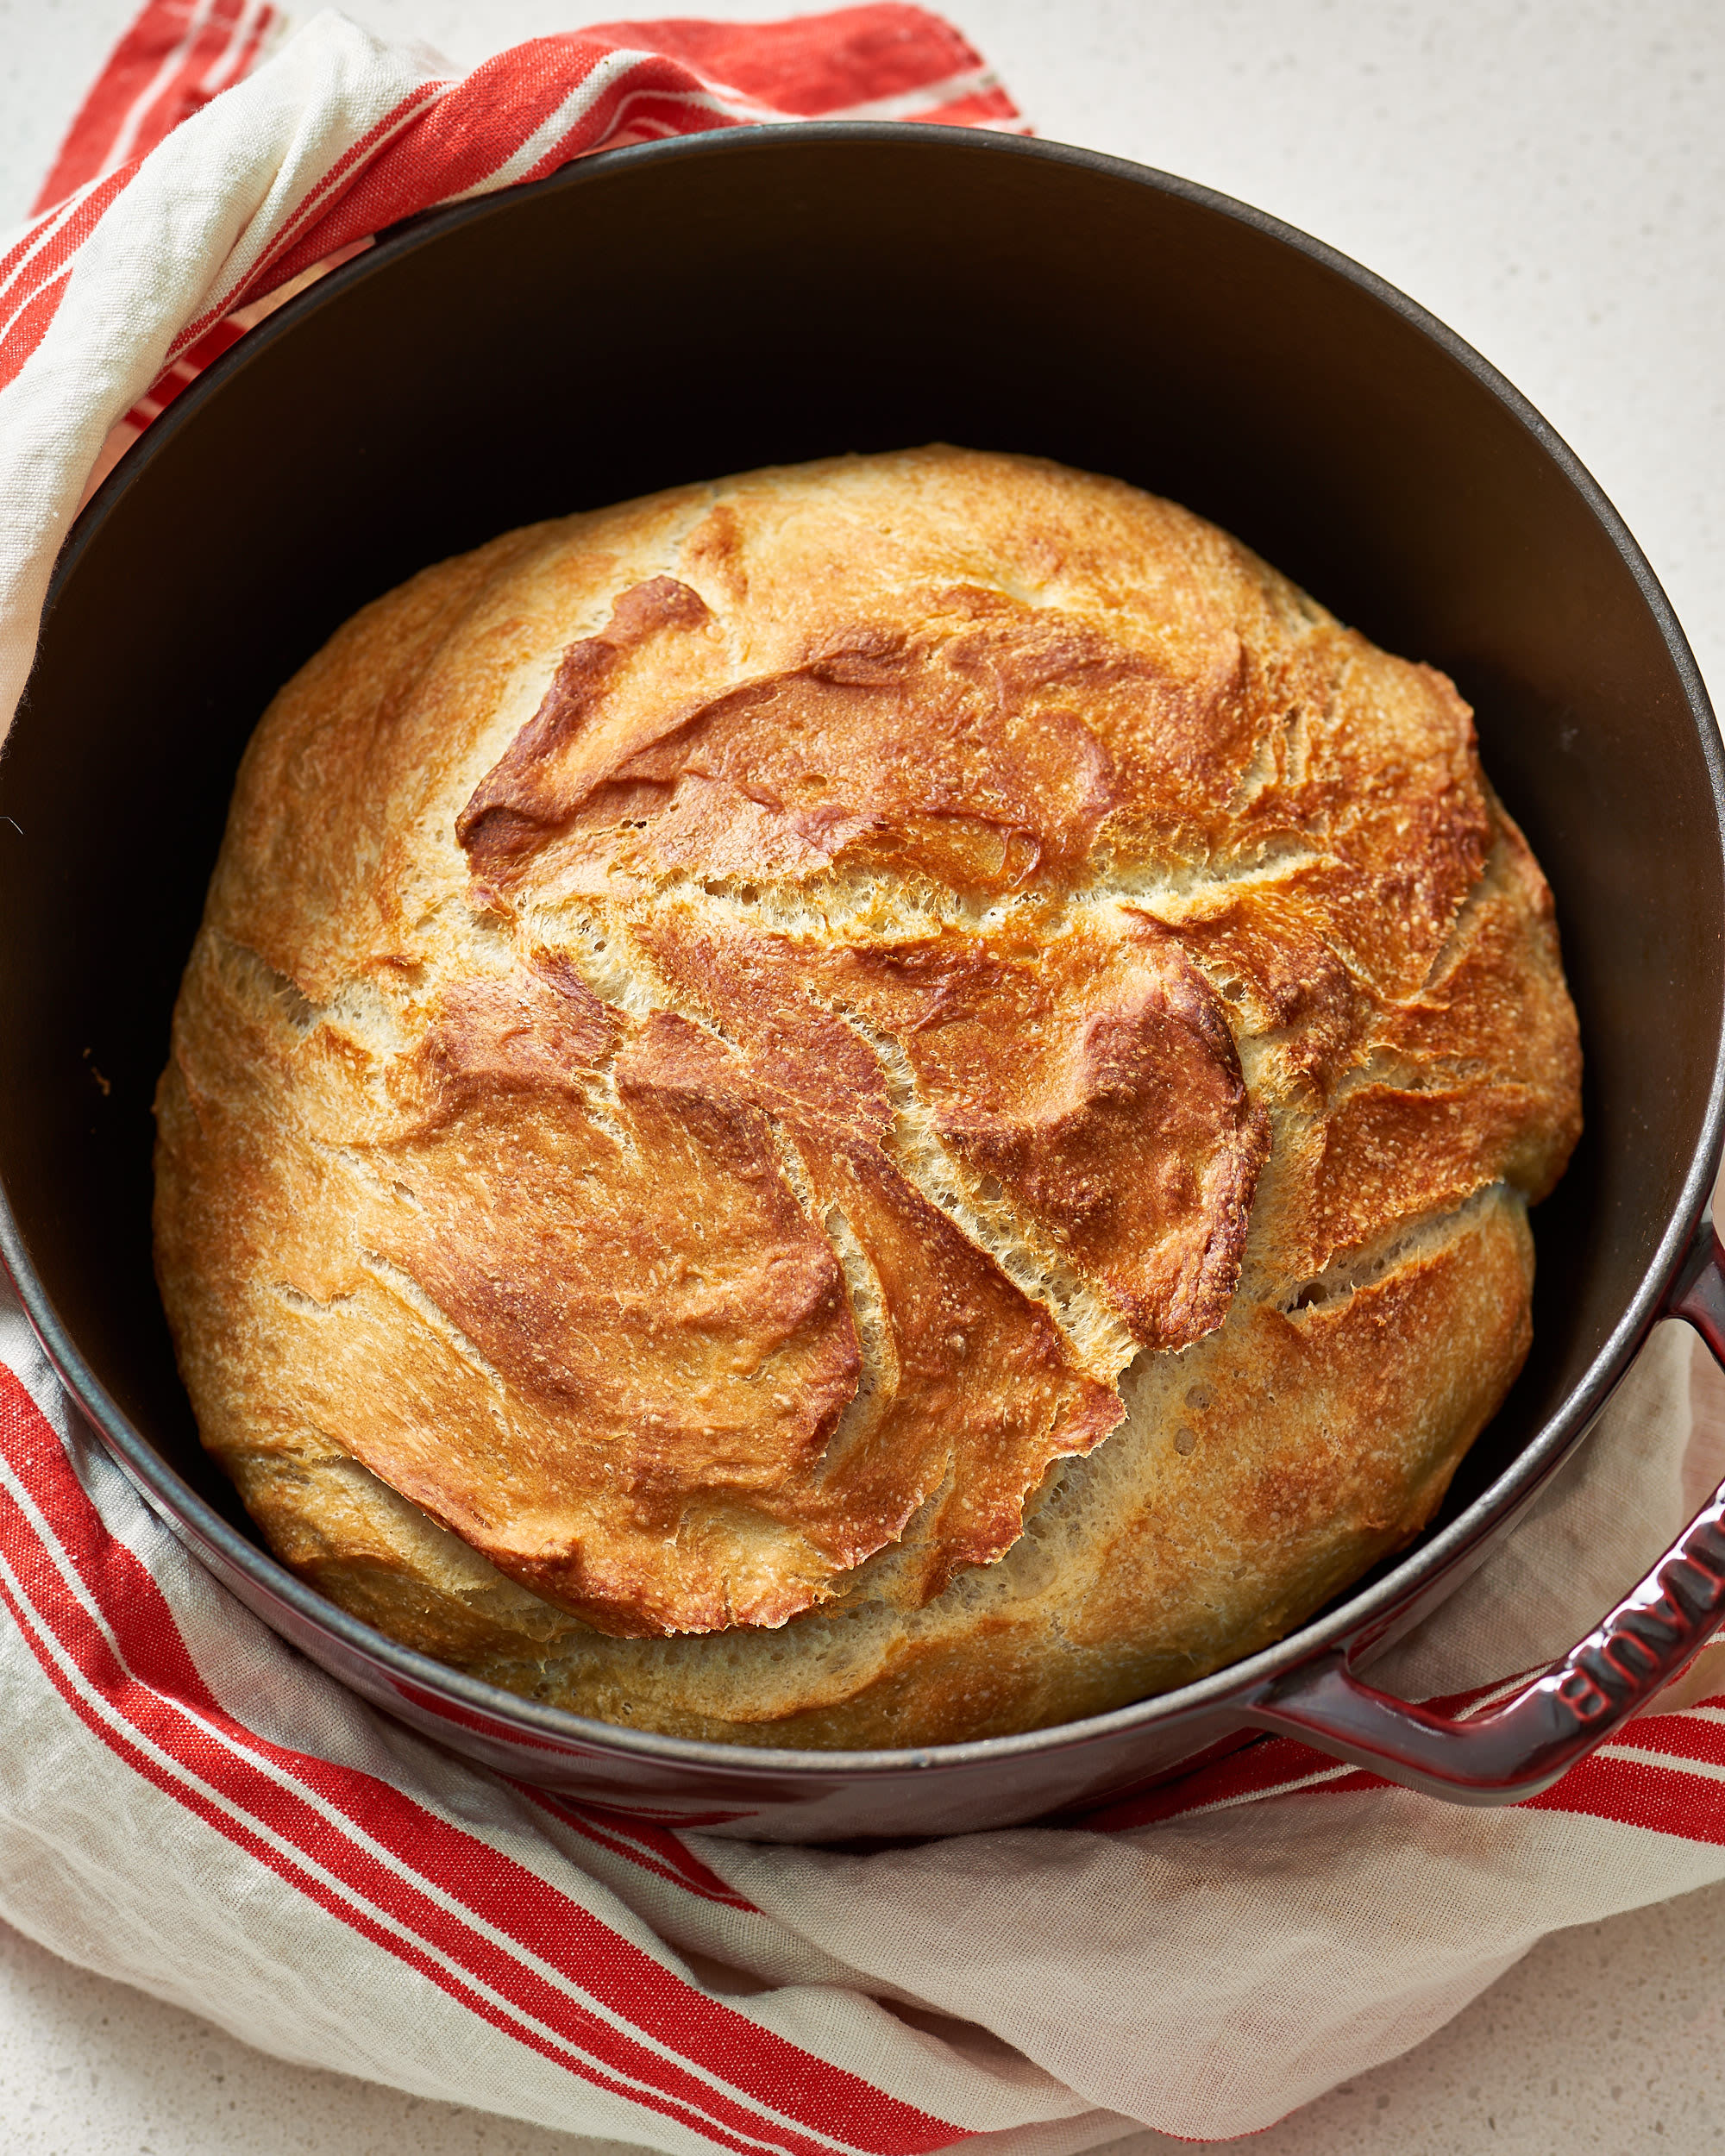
x,y
702,306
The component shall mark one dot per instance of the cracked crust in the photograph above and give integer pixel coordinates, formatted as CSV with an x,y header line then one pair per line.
x,y
774,1077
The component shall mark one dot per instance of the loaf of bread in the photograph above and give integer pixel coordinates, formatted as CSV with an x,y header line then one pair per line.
x,y
872,1104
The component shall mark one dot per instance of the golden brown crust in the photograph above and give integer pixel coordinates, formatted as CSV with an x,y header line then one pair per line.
x,y
724,1026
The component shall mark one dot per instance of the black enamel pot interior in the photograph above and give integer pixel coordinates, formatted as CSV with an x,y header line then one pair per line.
x,y
688,309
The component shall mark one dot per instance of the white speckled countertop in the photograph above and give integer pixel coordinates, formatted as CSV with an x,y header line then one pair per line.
x,y
1547,176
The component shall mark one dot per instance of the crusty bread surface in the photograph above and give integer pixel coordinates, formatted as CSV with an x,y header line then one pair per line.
x,y
874,1103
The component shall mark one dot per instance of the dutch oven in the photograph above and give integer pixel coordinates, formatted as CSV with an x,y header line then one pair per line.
x,y
694,307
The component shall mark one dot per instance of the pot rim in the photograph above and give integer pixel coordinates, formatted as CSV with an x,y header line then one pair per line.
x,y
1362,1614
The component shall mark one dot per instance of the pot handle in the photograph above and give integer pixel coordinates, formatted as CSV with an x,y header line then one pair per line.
x,y
1522,1746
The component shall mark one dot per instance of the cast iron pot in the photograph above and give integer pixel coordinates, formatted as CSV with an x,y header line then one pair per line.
x,y
698,307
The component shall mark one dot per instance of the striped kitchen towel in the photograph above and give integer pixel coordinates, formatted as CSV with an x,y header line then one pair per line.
x,y
188,1806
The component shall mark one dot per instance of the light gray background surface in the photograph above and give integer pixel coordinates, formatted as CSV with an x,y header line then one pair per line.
x,y
1550,179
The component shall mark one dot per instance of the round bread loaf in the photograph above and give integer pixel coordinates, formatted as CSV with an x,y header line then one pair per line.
x,y
872,1104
